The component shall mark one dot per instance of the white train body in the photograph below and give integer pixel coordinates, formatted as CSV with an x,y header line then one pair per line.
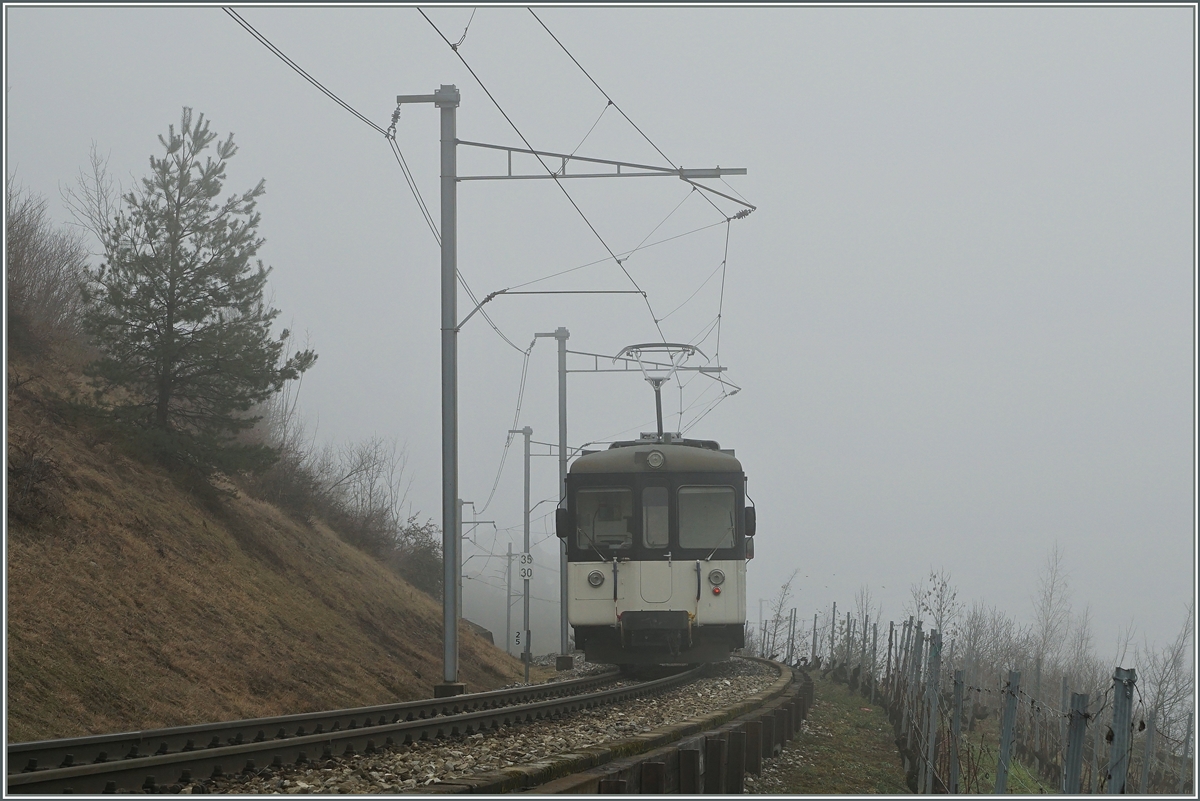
x,y
657,542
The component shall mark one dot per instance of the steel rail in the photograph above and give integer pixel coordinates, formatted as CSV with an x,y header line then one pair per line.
x,y
48,754
447,717
42,754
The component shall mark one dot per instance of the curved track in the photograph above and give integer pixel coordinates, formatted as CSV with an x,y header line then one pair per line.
x,y
161,758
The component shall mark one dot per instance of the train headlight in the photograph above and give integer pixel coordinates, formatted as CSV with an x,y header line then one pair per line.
x,y
717,577
595,578
655,459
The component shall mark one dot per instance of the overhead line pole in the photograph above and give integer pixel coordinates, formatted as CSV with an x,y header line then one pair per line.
x,y
447,98
527,655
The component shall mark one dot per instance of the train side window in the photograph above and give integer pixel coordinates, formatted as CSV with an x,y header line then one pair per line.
x,y
654,517
706,517
603,517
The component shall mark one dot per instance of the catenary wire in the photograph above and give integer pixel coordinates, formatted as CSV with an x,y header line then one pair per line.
x,y
703,284
516,419
614,105
589,133
412,184
625,254
463,38
558,183
267,43
388,134
717,355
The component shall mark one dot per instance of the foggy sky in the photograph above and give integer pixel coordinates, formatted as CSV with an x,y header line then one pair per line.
x,y
962,315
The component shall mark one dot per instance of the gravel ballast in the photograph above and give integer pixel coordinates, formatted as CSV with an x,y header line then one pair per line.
x,y
409,768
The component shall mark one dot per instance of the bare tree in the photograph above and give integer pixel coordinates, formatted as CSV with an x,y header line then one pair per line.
x,y
1166,674
44,273
1051,607
866,612
972,637
824,623
1125,637
916,596
94,201
775,625
937,601
1083,669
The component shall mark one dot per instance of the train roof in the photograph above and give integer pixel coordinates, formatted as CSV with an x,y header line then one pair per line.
x,y
691,456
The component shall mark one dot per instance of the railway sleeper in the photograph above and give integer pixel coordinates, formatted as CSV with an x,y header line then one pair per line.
x,y
764,723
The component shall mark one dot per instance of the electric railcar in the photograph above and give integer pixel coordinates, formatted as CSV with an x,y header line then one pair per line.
x,y
658,534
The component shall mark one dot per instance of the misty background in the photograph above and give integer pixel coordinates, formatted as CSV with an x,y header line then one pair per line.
x,y
962,315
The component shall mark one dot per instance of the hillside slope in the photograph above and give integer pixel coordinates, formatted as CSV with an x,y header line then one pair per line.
x,y
134,603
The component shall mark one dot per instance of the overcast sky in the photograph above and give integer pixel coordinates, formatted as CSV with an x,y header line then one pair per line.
x,y
962,315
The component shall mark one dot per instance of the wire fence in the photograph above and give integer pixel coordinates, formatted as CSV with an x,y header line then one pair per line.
x,y
962,727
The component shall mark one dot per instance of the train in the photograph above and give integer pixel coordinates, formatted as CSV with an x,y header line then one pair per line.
x,y
658,533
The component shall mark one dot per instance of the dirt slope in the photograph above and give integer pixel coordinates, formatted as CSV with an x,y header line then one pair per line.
x,y
132,603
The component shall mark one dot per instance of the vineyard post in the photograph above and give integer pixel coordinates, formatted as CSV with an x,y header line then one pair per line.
x,y
1187,751
887,682
791,635
1006,730
814,639
956,731
1076,734
1035,708
1094,776
849,637
862,645
1148,755
833,635
874,658
1118,754
902,658
908,650
933,674
1062,725
921,722
914,682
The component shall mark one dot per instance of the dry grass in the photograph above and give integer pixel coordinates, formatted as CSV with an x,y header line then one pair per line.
x,y
135,603
846,748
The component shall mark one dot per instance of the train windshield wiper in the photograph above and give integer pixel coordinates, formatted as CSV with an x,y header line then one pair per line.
x,y
713,551
592,542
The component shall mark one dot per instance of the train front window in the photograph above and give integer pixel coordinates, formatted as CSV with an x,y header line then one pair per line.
x,y
654,517
604,519
706,517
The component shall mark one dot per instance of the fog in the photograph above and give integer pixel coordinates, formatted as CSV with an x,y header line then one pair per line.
x,y
961,316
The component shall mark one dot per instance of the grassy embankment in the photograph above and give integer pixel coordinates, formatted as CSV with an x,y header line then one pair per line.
x,y
135,602
846,748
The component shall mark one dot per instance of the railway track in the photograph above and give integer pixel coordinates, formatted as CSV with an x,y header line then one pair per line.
x,y
156,760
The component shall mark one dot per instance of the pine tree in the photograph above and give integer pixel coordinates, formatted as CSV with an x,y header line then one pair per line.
x,y
178,314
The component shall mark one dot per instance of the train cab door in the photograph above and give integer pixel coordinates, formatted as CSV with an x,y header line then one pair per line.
x,y
655,579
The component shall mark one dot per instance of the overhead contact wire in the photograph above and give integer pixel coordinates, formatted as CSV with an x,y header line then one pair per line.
x,y
388,134
267,43
551,173
618,108
694,185
626,254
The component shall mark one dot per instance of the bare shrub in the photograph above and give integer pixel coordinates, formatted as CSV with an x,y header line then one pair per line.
x,y
44,274
359,490
32,476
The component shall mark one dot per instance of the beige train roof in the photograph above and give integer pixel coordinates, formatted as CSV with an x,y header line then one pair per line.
x,y
679,459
